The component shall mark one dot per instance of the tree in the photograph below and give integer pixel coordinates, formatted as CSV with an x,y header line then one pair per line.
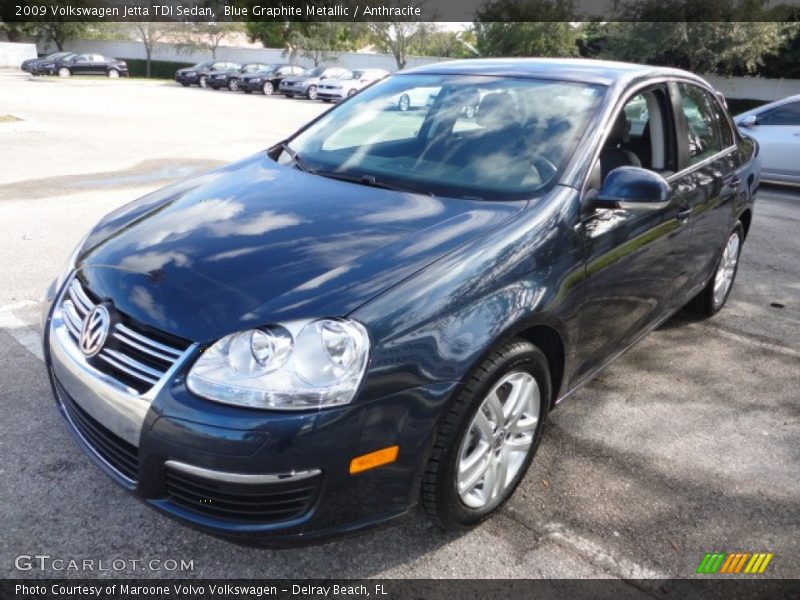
x,y
270,34
319,42
433,41
702,47
507,28
58,32
150,34
395,38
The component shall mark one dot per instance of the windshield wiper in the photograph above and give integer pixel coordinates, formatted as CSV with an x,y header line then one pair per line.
x,y
301,164
372,181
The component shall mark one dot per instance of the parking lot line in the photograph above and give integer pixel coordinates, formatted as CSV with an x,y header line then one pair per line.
x,y
23,333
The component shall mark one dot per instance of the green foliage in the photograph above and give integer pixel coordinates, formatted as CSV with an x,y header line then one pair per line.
x,y
319,42
432,41
270,34
501,30
702,47
785,61
526,39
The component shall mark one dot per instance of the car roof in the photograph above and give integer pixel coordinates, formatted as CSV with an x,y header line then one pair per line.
x,y
764,107
569,69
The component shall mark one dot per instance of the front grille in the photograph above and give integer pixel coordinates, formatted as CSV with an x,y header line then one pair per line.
x,y
134,354
118,453
261,503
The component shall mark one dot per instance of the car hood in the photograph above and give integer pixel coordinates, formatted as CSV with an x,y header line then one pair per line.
x,y
302,80
256,242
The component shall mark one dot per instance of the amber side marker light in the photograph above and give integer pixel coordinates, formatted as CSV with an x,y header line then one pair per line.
x,y
374,459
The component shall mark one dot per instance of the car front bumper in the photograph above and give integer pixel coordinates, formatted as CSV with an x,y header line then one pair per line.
x,y
293,90
182,78
204,462
324,94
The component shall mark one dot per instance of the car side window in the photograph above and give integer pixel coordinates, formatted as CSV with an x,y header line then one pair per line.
x,y
788,114
97,58
701,122
82,58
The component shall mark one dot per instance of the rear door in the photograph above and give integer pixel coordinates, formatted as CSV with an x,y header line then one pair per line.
x,y
81,64
709,161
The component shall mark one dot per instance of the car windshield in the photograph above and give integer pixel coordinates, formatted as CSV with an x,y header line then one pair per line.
x,y
313,72
486,137
203,65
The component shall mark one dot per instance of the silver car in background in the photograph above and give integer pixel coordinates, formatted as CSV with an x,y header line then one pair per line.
x,y
307,84
344,87
776,128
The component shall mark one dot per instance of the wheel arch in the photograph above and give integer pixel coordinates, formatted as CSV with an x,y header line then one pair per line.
x,y
550,342
746,218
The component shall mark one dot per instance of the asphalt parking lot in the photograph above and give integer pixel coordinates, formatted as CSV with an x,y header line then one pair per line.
x,y
689,443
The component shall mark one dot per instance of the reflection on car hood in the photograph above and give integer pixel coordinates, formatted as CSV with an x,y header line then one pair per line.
x,y
255,242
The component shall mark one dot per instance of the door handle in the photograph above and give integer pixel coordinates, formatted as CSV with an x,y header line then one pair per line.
x,y
733,181
684,213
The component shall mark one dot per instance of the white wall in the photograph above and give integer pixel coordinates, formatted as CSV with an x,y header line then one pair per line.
x,y
169,52
12,54
755,88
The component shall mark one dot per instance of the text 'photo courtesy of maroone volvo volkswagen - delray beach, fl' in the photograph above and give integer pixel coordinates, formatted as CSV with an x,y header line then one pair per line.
x,y
379,312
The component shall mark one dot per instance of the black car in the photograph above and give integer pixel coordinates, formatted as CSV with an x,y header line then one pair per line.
x,y
268,80
81,64
229,78
29,65
198,74
381,310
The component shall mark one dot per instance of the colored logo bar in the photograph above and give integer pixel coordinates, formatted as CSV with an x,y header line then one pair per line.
x,y
734,563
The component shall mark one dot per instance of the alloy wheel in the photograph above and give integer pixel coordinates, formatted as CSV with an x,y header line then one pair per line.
x,y
498,440
312,92
113,73
233,85
202,82
268,88
726,269
64,72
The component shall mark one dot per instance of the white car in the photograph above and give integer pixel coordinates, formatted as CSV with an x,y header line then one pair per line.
x,y
776,128
344,87
413,98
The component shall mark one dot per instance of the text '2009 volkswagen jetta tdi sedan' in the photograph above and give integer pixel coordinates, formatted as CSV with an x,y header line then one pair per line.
x,y
380,311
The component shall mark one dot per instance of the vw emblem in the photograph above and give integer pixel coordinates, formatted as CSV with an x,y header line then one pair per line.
x,y
95,330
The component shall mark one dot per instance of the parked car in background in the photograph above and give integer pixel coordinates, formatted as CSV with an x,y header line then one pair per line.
x,y
381,310
268,80
30,65
307,83
339,89
470,100
81,64
229,78
198,74
419,97
776,128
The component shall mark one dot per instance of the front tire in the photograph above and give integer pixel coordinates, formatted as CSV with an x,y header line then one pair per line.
x,y
312,92
233,85
713,297
64,72
268,89
113,73
202,82
488,437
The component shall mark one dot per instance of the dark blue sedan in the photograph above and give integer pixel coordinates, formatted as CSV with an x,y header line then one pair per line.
x,y
381,311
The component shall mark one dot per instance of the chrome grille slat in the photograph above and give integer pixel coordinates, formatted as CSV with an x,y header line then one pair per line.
x,y
118,365
130,342
79,297
131,356
133,363
145,340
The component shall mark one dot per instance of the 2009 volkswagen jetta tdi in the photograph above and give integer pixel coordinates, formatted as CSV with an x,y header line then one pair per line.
x,y
380,311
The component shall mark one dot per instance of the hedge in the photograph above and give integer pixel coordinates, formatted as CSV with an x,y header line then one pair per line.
x,y
158,68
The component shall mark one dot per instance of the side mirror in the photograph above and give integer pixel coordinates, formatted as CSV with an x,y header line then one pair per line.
x,y
633,188
749,121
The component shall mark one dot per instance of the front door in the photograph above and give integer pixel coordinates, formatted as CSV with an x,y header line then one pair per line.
x,y
635,258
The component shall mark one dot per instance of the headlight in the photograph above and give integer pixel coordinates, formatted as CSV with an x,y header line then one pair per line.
x,y
190,74
255,79
49,65
290,366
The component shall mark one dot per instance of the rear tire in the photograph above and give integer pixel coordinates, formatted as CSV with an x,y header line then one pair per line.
x,y
64,72
233,85
113,73
268,89
312,92
202,82
495,420
713,297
